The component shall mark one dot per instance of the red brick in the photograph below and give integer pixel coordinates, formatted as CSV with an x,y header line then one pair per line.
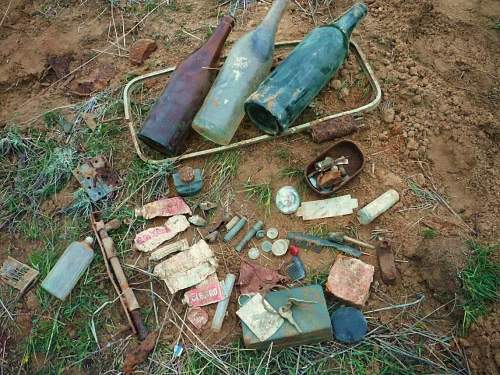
x,y
350,279
141,50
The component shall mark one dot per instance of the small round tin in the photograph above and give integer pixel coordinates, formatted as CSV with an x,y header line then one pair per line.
x,y
280,247
272,233
253,253
266,246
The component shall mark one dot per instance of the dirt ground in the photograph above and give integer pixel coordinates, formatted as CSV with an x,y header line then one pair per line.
x,y
438,63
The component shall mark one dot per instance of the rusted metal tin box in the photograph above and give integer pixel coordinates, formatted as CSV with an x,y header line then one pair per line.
x,y
313,319
345,148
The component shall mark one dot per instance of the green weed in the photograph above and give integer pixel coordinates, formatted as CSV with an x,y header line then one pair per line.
x,y
480,283
220,171
54,120
297,174
43,170
80,207
147,181
429,233
13,143
261,193
319,230
102,140
283,154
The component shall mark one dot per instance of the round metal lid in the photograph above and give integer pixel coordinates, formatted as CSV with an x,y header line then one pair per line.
x,y
280,247
272,233
253,253
266,246
287,200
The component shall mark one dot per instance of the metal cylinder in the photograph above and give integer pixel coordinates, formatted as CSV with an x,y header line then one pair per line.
x,y
250,234
377,207
235,229
220,312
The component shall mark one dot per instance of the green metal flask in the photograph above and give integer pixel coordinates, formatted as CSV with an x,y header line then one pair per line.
x,y
291,87
246,65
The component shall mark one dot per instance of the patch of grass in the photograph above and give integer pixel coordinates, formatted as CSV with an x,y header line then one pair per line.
x,y
308,360
319,230
297,174
54,120
318,277
102,140
13,143
80,207
480,283
283,154
429,233
147,181
42,170
427,198
220,171
261,193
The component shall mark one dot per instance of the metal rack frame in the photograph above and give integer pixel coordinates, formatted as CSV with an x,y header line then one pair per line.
x,y
360,57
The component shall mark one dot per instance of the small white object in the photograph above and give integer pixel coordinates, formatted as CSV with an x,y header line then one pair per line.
x,y
168,249
187,268
272,233
253,253
331,207
377,207
89,240
280,247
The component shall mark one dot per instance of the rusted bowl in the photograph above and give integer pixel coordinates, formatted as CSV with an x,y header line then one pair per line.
x,y
345,148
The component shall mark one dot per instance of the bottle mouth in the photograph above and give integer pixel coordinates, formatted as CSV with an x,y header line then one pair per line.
x,y
161,148
262,118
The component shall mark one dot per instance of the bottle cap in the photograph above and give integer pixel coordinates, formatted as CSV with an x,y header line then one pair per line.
x,y
280,247
88,240
272,233
294,250
253,253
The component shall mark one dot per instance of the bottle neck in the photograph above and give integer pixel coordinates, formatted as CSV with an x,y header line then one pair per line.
x,y
270,22
350,19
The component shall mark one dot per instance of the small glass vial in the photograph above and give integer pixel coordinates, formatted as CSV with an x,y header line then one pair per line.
x,y
69,268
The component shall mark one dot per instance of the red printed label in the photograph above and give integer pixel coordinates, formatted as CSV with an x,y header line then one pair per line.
x,y
206,295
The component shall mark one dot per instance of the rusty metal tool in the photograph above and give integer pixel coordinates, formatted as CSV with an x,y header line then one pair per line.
x,y
117,276
341,238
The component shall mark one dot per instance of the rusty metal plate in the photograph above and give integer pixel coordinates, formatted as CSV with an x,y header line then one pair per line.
x,y
97,178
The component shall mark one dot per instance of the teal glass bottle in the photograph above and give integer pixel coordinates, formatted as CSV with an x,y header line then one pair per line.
x,y
246,65
291,87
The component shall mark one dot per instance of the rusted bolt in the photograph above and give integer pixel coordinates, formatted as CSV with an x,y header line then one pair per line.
x,y
186,174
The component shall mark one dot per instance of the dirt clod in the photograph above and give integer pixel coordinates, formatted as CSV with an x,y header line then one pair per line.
x,y
439,261
139,354
141,50
60,64
95,81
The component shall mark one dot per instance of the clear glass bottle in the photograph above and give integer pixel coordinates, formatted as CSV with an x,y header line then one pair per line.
x,y
246,66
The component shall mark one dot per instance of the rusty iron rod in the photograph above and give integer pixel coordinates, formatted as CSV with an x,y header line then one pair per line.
x,y
115,272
